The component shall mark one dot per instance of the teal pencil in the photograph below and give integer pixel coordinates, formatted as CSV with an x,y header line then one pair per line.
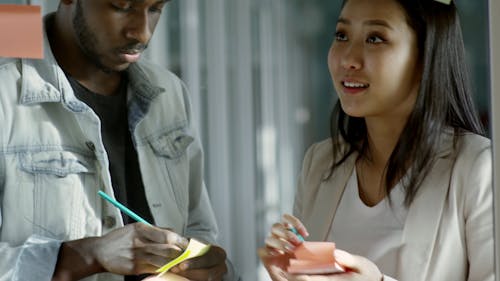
x,y
292,229
124,209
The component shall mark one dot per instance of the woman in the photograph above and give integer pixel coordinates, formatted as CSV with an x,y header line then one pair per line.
x,y
404,183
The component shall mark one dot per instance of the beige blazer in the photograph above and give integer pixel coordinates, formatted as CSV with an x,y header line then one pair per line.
x,y
448,233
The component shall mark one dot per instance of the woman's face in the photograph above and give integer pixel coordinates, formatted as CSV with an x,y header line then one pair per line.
x,y
373,60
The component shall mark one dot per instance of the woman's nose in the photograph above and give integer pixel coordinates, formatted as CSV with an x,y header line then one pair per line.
x,y
352,57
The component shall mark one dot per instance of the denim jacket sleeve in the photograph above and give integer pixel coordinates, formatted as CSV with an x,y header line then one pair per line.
x,y
201,219
34,260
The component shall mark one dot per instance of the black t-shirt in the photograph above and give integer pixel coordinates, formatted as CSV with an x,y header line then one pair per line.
x,y
123,163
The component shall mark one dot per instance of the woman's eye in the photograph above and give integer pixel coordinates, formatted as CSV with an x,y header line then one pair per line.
x,y
340,36
375,39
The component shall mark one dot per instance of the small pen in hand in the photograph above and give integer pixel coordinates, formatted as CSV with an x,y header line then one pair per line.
x,y
124,209
294,230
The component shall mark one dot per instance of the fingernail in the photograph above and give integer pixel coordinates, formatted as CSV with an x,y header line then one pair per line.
x,y
184,266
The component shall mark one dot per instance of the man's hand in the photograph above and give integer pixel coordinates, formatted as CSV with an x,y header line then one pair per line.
x,y
209,267
133,249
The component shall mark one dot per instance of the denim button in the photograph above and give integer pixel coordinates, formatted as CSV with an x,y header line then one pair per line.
x,y
90,145
109,222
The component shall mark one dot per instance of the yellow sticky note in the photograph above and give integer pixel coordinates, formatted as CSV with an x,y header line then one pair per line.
x,y
21,31
194,249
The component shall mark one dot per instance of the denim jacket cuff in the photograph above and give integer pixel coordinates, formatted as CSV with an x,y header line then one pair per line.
x,y
37,259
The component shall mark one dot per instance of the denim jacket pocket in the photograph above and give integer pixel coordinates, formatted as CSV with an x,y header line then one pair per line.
x,y
58,163
171,151
172,144
53,185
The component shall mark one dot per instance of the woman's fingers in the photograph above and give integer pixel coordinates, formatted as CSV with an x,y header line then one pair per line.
x,y
282,239
279,245
357,264
296,223
281,231
347,260
274,264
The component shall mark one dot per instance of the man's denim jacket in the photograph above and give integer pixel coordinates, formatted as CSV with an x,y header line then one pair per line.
x,y
53,162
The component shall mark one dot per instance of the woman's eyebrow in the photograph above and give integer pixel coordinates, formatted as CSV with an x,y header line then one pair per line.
x,y
382,23
376,22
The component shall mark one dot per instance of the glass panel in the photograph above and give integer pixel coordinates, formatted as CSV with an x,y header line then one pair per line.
x,y
495,117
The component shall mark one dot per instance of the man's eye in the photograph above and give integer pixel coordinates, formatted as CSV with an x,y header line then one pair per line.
x,y
123,7
156,9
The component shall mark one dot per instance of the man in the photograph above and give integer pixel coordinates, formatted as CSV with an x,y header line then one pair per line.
x,y
92,116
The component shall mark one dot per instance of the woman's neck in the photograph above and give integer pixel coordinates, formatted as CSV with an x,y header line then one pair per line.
x,y
382,139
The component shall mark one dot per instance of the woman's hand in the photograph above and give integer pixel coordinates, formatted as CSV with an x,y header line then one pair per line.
x,y
282,240
275,264
279,245
357,269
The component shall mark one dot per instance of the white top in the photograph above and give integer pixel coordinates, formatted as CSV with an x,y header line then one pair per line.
x,y
372,232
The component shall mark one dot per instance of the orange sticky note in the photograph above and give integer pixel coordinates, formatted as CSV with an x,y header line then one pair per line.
x,y
21,33
314,258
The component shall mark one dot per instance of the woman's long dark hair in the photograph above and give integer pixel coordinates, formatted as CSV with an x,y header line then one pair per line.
x,y
444,100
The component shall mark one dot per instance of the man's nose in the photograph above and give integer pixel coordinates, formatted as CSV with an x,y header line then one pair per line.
x,y
139,28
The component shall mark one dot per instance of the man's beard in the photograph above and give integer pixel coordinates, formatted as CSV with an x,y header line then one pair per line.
x,y
86,39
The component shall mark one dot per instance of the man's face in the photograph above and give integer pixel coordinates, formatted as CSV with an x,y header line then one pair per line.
x,y
113,33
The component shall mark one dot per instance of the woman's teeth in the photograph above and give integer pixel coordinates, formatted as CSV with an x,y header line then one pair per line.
x,y
354,85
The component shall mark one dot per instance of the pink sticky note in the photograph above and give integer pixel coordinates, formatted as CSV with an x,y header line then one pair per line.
x,y
314,258
21,32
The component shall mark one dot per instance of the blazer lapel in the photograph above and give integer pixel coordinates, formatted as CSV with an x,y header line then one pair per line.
x,y
423,220
327,200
